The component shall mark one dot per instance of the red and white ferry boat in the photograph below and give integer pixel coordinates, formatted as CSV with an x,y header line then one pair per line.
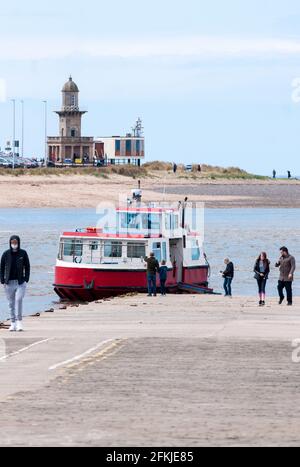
x,y
106,261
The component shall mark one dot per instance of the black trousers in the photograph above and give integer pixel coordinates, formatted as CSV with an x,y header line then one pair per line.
x,y
288,286
163,286
261,282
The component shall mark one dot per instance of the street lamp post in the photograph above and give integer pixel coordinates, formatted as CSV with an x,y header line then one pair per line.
x,y
14,131
22,104
46,131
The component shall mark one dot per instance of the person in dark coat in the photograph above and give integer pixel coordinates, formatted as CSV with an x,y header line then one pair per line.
x,y
228,276
262,271
152,270
163,275
15,274
287,268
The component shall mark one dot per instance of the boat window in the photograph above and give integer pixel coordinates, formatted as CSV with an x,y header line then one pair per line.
x,y
73,247
195,250
113,249
157,251
151,221
130,220
136,250
145,221
154,221
60,252
172,221
94,246
164,251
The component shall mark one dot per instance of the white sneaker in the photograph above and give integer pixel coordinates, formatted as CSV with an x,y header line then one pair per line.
x,y
13,327
19,326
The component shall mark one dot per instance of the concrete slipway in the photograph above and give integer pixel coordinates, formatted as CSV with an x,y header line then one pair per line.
x,y
137,371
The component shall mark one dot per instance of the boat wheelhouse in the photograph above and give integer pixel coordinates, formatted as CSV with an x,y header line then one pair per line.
x,y
109,259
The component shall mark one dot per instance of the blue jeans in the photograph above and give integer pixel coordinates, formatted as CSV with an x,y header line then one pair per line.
x,y
15,294
163,286
227,286
151,284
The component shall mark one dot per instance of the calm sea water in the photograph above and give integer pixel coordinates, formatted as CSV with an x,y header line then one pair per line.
x,y
239,234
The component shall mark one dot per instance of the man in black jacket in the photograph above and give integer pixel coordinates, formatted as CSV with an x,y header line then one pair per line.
x,y
228,275
15,274
152,270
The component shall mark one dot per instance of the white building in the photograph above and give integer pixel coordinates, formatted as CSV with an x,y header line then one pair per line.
x,y
118,150
129,149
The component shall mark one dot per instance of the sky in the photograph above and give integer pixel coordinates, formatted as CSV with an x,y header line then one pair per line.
x,y
215,82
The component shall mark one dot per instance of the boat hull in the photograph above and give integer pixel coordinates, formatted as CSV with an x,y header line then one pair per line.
x,y
89,284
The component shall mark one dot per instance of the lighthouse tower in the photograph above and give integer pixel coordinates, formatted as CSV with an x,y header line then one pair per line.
x,y
70,145
70,115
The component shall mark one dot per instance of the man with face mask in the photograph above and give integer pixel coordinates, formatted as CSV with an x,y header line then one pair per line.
x,y
15,274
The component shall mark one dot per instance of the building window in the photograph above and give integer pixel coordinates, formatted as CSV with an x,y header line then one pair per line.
x,y
118,147
138,147
73,101
113,250
136,250
73,133
128,147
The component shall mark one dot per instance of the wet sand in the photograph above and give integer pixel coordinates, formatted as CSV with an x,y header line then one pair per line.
x,y
175,371
81,191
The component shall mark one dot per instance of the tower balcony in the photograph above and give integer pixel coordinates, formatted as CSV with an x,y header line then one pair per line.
x,y
70,139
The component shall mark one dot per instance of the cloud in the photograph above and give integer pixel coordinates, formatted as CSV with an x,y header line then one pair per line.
x,y
204,47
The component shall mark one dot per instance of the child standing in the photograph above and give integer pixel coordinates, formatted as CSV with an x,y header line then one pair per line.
x,y
163,273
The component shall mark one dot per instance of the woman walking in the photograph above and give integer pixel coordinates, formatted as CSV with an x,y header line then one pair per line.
x,y
262,271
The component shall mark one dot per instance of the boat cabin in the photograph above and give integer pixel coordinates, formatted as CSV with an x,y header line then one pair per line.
x,y
136,233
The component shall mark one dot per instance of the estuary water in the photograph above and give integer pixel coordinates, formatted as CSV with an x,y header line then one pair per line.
x,y
239,234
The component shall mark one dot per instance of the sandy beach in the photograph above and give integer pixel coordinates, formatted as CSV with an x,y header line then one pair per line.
x,y
80,191
138,371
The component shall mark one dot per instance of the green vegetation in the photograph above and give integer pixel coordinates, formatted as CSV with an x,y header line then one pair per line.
x,y
207,172
102,172
150,169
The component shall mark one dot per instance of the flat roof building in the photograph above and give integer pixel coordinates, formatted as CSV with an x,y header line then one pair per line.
x,y
118,150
